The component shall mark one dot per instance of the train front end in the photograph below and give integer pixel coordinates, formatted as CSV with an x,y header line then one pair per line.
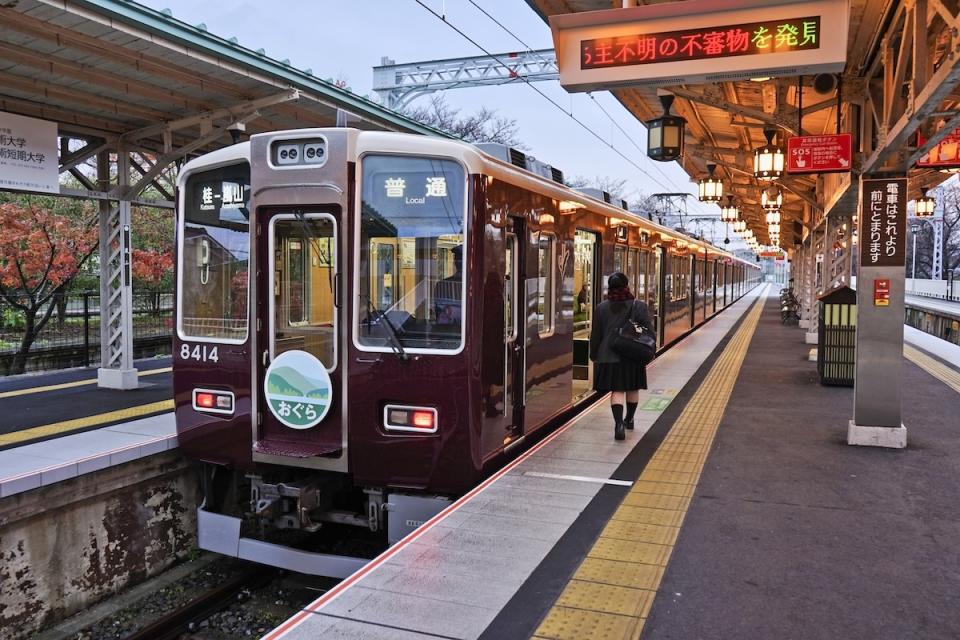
x,y
321,367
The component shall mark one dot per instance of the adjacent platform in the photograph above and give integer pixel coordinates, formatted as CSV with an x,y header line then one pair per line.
x,y
734,510
59,425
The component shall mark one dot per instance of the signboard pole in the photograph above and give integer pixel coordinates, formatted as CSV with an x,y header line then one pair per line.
x,y
880,312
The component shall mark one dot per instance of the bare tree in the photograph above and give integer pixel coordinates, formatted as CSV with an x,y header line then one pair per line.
x,y
949,202
486,125
618,188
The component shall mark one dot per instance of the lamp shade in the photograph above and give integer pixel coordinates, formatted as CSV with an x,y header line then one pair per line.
x,y
729,212
711,188
771,199
924,206
665,134
773,217
768,160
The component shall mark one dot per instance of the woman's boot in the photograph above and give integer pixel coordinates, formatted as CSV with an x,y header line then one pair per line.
x,y
618,428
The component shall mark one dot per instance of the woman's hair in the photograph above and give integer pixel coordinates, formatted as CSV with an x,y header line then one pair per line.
x,y
617,281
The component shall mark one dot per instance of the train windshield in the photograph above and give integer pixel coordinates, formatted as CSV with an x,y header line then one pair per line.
x,y
214,255
411,281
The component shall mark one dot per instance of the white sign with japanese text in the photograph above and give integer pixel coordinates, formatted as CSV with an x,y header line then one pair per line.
x,y
28,154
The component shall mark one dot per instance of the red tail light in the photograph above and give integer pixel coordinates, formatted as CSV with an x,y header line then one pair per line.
x,y
423,419
412,419
213,401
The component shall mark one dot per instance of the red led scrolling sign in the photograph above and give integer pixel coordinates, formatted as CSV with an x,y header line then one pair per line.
x,y
754,38
820,154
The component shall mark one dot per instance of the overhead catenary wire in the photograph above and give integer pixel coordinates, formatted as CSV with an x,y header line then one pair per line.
x,y
589,94
582,124
569,113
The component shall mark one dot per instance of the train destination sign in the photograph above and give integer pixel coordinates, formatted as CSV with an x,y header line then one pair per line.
x,y
883,222
820,154
699,41
755,38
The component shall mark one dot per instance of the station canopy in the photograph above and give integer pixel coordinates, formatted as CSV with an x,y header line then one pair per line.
x,y
115,74
900,79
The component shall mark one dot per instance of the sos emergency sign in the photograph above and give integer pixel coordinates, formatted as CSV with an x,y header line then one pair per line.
x,y
820,154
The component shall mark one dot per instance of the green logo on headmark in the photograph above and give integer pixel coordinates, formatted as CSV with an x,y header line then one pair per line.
x,y
298,389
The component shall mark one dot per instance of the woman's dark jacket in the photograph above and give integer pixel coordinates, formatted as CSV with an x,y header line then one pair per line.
x,y
607,318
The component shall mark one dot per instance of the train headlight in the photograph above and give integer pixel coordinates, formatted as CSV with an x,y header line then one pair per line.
x,y
410,419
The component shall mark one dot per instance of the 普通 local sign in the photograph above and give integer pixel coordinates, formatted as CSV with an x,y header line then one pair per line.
x,y
819,154
28,154
699,41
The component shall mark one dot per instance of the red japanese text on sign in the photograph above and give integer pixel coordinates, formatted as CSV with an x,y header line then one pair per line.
x,y
774,36
819,154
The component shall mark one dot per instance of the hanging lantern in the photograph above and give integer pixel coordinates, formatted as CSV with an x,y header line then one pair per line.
x,y
773,228
665,134
729,212
739,226
924,206
771,201
773,217
711,189
768,161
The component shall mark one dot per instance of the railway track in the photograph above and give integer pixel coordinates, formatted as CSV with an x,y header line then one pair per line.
x,y
186,617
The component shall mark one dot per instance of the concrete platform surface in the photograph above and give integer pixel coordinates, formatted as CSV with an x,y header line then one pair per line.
x,y
452,577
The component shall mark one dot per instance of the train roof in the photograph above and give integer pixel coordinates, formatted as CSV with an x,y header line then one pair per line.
x,y
476,161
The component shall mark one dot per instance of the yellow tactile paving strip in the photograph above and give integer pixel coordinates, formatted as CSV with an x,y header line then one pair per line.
x,y
76,383
934,367
85,422
610,595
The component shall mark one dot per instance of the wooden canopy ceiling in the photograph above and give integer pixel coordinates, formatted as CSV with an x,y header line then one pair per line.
x,y
726,120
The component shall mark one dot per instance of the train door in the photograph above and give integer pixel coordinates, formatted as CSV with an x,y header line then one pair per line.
x,y
585,263
514,331
301,417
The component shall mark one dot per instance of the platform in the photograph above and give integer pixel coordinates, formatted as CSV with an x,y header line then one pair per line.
x,y
56,426
734,510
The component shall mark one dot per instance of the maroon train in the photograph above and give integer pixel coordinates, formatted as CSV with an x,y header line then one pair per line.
x,y
368,322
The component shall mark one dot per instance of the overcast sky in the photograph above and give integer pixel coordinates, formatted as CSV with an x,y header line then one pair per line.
x,y
339,38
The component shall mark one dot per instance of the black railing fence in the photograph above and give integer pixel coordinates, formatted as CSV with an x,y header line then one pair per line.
x,y
71,338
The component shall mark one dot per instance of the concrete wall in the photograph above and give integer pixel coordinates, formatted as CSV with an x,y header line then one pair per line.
x,y
68,545
932,288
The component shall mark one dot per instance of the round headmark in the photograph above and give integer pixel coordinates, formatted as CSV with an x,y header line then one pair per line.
x,y
298,389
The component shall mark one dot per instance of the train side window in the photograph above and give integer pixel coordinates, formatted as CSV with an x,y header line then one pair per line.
x,y
546,248
619,262
509,288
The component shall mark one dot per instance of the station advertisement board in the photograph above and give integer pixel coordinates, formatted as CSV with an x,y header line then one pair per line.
x,y
28,154
820,154
699,41
943,155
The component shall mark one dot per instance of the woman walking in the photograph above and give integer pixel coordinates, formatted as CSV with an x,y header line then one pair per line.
x,y
622,377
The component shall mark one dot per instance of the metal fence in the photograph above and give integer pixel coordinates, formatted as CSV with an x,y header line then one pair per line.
x,y
71,337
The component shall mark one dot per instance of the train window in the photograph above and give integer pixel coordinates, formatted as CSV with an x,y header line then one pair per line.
x,y
509,288
214,255
304,262
635,274
546,247
619,262
411,254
